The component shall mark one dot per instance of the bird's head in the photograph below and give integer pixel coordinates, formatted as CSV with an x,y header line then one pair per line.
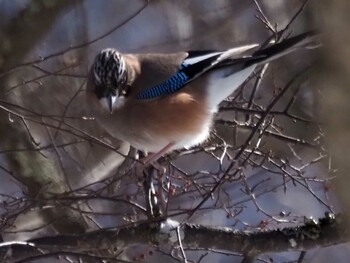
x,y
109,73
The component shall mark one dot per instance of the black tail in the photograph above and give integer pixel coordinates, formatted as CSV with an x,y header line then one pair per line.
x,y
305,40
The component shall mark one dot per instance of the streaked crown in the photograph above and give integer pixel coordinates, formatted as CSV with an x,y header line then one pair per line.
x,y
109,72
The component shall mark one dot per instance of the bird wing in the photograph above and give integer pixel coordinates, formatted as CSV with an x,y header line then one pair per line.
x,y
194,65
199,62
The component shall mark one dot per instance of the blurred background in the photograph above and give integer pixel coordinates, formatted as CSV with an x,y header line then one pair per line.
x,y
59,169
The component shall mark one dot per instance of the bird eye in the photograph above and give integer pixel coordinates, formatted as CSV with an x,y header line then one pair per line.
x,y
126,90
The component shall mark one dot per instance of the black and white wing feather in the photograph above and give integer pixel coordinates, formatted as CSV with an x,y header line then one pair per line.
x,y
238,67
194,65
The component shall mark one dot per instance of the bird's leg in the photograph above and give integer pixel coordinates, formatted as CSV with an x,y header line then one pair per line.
x,y
152,157
152,160
153,207
147,171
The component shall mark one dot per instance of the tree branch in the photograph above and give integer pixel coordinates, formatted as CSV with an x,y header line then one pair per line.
x,y
328,231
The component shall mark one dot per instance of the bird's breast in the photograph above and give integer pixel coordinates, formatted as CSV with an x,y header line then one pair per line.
x,y
150,125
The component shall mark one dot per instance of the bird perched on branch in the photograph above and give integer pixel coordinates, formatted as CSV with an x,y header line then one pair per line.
x,y
162,102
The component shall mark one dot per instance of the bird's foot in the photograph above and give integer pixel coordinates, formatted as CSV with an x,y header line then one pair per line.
x,y
153,157
153,188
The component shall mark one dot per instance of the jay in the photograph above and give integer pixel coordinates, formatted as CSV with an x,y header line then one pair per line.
x,y
161,102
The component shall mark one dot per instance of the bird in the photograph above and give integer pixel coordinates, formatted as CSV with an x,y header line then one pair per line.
x,y
161,102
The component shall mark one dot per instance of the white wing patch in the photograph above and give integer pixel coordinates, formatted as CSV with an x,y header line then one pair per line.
x,y
196,59
236,51
224,54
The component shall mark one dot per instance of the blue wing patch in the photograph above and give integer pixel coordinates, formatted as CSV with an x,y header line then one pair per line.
x,y
171,85
193,66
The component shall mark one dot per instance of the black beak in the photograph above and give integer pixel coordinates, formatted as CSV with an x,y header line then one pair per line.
x,y
110,101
